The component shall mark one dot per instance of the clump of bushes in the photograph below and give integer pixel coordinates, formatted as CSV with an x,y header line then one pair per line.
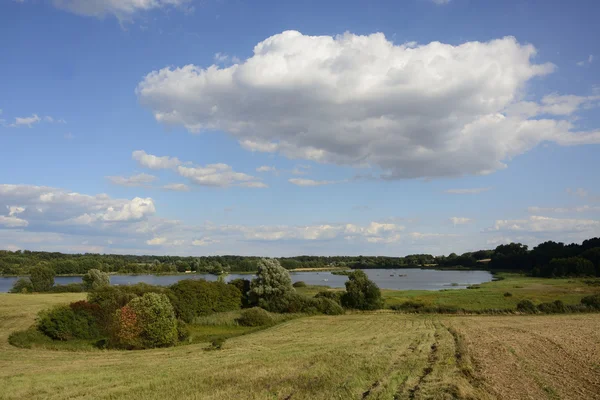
x,y
22,285
332,295
361,293
75,321
255,317
68,288
555,307
526,306
420,308
243,285
299,284
193,298
146,322
508,294
95,279
592,301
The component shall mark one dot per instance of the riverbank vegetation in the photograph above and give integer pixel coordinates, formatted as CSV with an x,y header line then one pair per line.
x,y
548,259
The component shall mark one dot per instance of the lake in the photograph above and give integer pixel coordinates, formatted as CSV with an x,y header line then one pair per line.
x,y
399,279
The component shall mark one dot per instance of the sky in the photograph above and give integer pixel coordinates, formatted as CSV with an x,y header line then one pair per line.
x,y
280,128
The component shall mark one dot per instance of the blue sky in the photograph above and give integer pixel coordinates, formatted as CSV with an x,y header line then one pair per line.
x,y
285,128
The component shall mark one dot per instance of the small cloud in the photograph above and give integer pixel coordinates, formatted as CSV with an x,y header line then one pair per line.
x,y
221,58
25,121
177,187
467,191
579,192
69,136
310,182
460,220
266,168
254,184
590,59
134,180
157,241
204,241
300,169
441,2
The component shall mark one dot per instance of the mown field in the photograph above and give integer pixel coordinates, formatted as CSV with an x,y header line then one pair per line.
x,y
356,356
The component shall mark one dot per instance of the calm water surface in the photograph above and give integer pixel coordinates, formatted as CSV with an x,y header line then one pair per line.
x,y
400,279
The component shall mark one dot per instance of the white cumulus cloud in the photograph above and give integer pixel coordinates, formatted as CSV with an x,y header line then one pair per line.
x,y
121,9
309,182
412,111
460,220
154,162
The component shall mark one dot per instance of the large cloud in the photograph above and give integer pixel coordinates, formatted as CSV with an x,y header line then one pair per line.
x,y
47,208
413,111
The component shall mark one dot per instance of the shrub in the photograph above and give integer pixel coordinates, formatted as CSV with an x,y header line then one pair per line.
x,y
408,306
330,294
95,279
552,308
68,288
216,344
183,331
526,306
243,285
291,303
329,307
299,284
193,298
42,278
572,266
112,298
592,301
255,317
64,323
508,294
361,293
272,281
146,322
22,285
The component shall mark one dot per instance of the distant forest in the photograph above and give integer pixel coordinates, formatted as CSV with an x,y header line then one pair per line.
x,y
549,259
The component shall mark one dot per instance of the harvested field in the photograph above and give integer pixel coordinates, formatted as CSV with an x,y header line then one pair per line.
x,y
358,356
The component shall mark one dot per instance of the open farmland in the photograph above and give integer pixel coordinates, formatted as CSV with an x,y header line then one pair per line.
x,y
363,356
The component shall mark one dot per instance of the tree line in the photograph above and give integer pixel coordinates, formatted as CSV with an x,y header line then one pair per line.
x,y
547,259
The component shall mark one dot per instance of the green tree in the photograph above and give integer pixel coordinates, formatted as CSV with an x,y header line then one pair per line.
x,y
95,279
147,322
361,293
22,285
42,278
272,281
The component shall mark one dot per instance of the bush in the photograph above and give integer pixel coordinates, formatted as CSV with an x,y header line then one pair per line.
x,y
508,294
112,298
146,322
66,322
526,306
361,293
411,306
183,331
291,303
42,278
330,294
22,285
68,288
555,307
272,281
95,279
243,285
592,301
255,317
193,298
216,344
299,284
329,307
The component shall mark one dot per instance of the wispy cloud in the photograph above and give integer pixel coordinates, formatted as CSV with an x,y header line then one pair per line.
x,y
468,191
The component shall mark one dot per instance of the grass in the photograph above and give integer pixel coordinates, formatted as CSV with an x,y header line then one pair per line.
x,y
490,295
381,355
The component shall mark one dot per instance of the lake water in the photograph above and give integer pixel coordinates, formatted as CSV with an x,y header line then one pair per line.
x,y
400,279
